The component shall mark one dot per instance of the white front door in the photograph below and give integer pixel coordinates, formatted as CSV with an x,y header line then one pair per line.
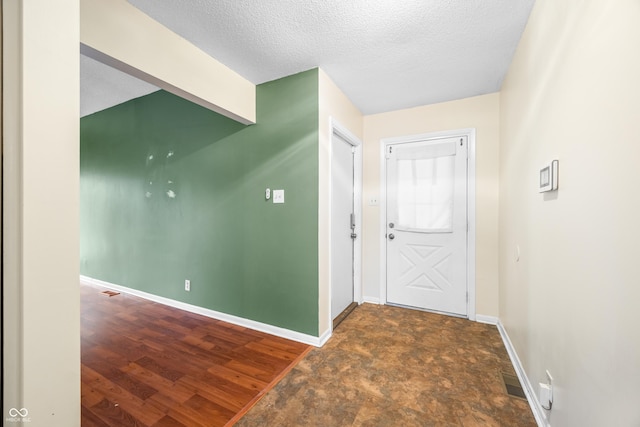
x,y
427,224
342,224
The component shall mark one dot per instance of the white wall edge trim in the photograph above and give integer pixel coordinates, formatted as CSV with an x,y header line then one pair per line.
x,y
536,408
489,320
323,338
229,318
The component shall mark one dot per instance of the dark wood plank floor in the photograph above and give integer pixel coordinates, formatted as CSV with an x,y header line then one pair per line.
x,y
147,364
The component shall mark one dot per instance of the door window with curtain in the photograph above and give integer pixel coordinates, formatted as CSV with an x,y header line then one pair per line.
x,y
425,189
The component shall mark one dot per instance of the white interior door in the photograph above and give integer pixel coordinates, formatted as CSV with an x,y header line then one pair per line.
x,y
427,224
342,225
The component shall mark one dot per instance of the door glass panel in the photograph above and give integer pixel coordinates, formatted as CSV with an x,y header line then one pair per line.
x,y
425,194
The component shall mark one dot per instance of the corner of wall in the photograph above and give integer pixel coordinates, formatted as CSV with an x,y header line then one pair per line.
x,y
40,198
121,36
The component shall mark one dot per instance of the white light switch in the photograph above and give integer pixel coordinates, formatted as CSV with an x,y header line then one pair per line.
x,y
278,196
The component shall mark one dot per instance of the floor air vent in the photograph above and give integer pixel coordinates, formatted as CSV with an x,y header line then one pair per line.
x,y
110,293
512,386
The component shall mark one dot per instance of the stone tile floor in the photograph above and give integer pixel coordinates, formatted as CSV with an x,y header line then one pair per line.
x,y
388,366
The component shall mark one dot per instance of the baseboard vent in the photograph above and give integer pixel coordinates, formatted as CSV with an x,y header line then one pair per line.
x,y
110,293
512,386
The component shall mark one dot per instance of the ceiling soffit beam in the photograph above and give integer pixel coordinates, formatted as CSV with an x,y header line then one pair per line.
x,y
121,36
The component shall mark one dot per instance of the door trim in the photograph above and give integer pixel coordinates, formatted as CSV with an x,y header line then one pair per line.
x,y
344,133
470,133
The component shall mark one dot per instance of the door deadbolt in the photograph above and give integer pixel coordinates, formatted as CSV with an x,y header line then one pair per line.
x,y
390,225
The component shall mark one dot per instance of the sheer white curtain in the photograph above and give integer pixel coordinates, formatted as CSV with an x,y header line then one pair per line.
x,y
425,194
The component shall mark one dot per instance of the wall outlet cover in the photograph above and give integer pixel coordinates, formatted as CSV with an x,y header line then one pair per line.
x,y
546,395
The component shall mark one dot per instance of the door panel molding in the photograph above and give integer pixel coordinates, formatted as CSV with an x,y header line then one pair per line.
x,y
470,133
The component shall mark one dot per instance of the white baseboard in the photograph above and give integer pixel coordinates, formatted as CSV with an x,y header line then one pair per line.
x,y
537,409
371,300
251,324
324,338
489,320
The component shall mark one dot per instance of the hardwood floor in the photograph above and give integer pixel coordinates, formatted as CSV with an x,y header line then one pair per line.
x,y
146,364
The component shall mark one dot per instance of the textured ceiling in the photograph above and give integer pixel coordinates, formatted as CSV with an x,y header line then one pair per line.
x,y
385,55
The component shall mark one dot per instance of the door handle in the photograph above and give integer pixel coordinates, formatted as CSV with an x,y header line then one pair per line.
x,y
354,235
391,236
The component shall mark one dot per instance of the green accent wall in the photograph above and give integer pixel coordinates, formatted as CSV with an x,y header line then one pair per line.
x,y
172,191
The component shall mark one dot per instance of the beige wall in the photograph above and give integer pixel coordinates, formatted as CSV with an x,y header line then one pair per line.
x,y
481,113
40,155
570,304
120,35
332,104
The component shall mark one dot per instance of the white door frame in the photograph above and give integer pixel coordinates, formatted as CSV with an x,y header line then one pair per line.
x,y
344,133
470,133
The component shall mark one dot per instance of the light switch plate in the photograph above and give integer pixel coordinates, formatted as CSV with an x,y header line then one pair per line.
x,y
278,196
549,177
